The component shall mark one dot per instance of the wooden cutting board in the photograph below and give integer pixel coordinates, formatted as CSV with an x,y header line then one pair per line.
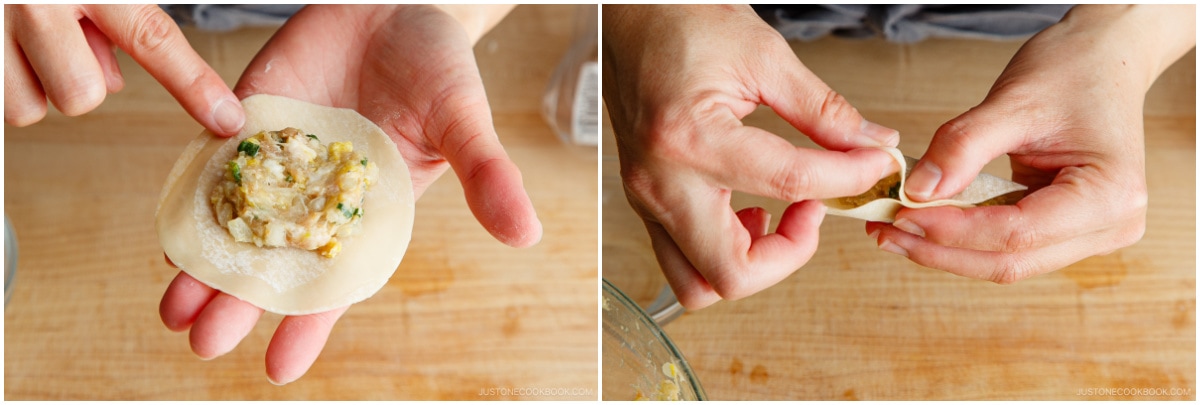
x,y
464,317
860,323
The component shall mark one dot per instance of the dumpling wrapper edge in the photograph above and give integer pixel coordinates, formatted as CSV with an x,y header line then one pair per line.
x,y
982,188
288,281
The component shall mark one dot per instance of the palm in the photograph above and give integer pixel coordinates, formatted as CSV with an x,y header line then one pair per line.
x,y
391,66
409,69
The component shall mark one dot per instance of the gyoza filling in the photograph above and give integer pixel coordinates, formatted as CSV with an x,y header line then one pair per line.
x,y
286,189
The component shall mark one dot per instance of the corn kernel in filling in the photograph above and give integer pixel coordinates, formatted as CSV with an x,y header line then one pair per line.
x,y
287,189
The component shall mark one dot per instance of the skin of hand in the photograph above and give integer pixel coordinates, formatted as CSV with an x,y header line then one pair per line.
x,y
677,81
412,71
66,53
1068,112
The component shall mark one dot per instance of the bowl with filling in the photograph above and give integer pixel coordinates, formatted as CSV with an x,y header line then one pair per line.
x,y
307,209
640,361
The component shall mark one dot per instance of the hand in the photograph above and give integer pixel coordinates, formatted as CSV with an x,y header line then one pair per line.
x,y
1068,112
677,81
66,52
411,70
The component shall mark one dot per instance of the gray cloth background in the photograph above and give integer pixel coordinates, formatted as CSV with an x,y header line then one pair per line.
x,y
229,17
906,23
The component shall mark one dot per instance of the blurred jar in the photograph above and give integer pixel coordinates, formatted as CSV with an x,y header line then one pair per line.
x,y
571,103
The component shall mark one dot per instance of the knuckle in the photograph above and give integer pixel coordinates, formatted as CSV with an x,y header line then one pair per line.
x,y
663,136
1020,239
956,135
1012,269
643,192
152,29
78,96
834,108
793,181
731,285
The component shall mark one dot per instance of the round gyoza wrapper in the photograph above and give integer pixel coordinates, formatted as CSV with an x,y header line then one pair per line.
x,y
983,188
288,281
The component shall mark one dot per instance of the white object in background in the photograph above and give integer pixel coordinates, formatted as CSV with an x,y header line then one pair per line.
x,y
571,104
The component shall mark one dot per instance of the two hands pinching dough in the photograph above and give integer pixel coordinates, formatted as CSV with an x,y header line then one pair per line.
x,y
410,69
1067,110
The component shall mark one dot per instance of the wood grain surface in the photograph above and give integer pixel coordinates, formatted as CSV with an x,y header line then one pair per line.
x,y
462,315
859,323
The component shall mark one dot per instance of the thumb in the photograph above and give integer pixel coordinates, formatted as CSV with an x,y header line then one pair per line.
x,y
960,149
491,182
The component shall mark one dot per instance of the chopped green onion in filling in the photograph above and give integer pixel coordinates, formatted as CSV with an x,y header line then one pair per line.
x,y
250,148
236,172
281,189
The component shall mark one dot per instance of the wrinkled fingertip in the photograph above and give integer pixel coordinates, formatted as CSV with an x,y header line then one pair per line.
x,y
522,238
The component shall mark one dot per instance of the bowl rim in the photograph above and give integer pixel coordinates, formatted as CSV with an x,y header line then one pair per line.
x,y
645,318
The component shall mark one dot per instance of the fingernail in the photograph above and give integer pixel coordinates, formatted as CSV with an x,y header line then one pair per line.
x,y
884,135
889,246
924,178
874,234
909,226
229,116
891,168
276,383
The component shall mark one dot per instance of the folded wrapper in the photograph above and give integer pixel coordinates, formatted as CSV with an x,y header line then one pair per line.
x,y
884,200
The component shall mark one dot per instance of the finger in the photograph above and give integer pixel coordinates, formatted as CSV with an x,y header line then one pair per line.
x,y
297,343
772,257
222,325
183,301
756,221
61,58
690,288
755,161
811,106
102,48
1002,268
156,43
725,254
491,182
960,149
1052,215
24,99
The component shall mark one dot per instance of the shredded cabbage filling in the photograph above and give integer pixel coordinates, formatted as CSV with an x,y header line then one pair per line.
x,y
287,189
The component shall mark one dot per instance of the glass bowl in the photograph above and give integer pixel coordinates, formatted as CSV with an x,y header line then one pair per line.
x,y
640,362
10,259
